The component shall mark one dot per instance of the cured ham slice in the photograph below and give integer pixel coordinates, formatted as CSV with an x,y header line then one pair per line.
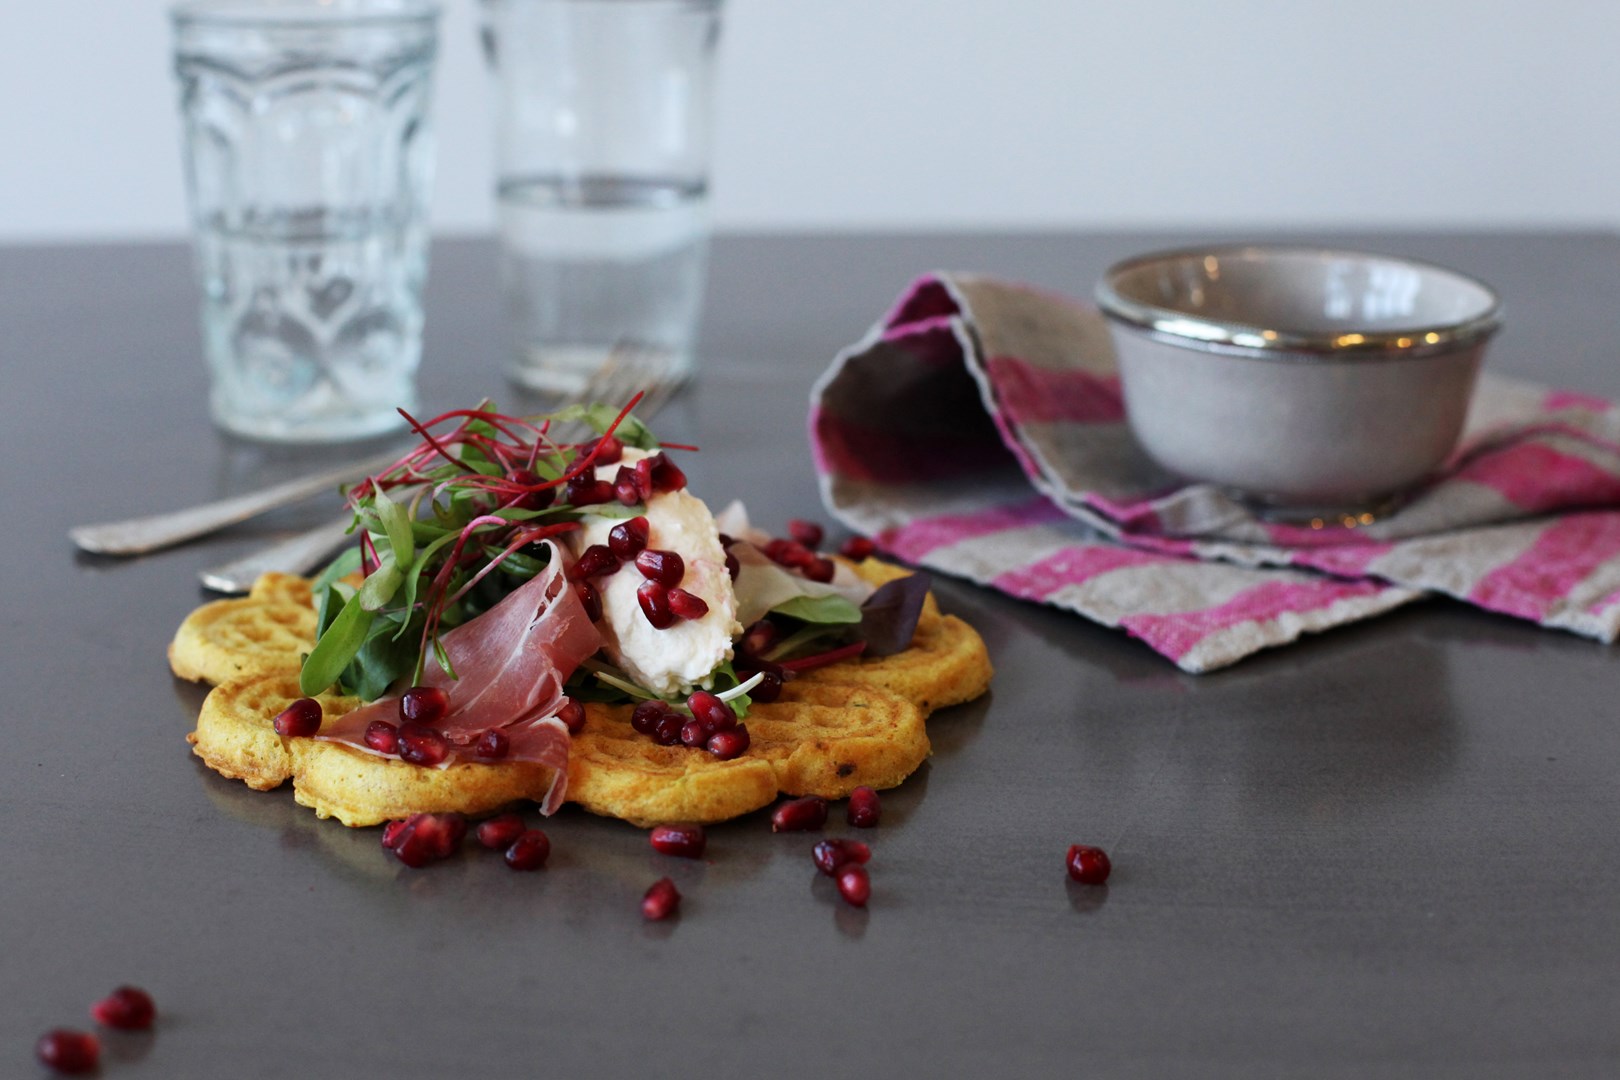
x,y
510,665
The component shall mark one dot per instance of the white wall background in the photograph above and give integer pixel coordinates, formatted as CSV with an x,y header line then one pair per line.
x,y
919,114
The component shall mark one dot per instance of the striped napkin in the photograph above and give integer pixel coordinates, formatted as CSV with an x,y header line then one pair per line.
x,y
979,430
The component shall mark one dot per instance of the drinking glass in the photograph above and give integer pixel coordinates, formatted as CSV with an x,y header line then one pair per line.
x,y
308,161
602,142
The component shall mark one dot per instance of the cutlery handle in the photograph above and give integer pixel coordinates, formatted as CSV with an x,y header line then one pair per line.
x,y
299,555
137,536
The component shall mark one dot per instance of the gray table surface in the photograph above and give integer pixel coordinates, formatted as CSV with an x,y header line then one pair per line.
x,y
1392,850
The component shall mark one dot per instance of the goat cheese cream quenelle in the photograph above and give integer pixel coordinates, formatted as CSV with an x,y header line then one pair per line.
x,y
674,660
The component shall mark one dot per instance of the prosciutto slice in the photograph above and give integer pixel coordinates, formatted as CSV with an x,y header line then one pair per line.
x,y
511,663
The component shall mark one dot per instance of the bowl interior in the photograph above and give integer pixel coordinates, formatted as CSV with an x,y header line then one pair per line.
x,y
1303,291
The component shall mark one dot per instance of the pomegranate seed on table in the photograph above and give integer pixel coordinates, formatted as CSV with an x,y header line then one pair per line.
x,y
654,600
665,567
864,809
529,851
687,841
857,548
301,718
831,854
498,833
128,1008
661,901
392,831
853,884
1088,865
421,745
628,538
687,605
425,838
707,707
799,815
572,715
382,736
805,532
595,561
730,743
68,1051
492,745
590,600
423,704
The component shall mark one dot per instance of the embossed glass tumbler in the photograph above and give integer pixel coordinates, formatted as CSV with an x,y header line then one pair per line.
x,y
309,160
603,111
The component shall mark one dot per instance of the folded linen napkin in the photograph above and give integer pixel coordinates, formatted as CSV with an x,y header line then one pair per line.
x,y
979,429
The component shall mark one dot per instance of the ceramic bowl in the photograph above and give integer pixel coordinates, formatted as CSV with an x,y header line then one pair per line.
x,y
1308,381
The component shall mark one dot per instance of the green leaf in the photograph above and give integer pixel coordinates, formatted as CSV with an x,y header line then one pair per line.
x,y
342,566
381,584
338,643
396,522
379,663
830,608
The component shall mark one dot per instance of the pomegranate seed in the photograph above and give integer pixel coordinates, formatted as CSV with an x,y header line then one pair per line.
x,y
608,450
821,570
829,855
594,561
529,851
768,689
643,471
646,716
628,538
665,475
498,833
667,731
128,1008
857,548
423,704
799,815
382,736
715,714
391,831
693,734
789,553
687,605
730,743
733,567
301,718
687,841
805,532
726,539
584,490
537,499
661,901
1088,865
654,601
68,1051
492,745
854,885
589,599
425,838
625,488
664,567
759,637
863,810
421,745
572,714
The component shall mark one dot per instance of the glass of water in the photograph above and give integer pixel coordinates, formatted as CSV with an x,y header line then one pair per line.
x,y
309,160
602,132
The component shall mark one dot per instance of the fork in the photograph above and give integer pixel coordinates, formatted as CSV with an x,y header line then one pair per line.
x,y
625,371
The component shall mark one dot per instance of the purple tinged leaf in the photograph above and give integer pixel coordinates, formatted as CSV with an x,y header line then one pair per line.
x,y
889,616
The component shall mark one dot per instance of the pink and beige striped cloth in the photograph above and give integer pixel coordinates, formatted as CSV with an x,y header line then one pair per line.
x,y
979,430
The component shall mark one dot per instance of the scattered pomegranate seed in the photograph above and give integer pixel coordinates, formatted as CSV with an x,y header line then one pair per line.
x,y
665,475
853,884
768,689
421,745
498,833
594,561
798,815
665,567
715,714
301,718
805,532
529,851
382,736
68,1051
693,734
829,855
789,553
654,600
590,599
608,450
687,605
584,490
1088,865
733,567
537,499
821,570
759,637
730,743
572,714
667,731
864,809
646,716
128,1008
391,831
423,704
628,538
687,841
661,901
857,548
425,838
492,745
